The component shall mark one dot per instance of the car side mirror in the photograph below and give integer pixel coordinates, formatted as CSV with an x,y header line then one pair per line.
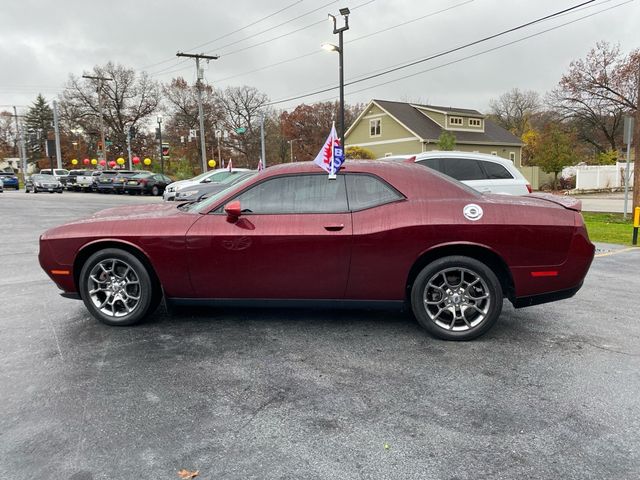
x,y
233,210
206,180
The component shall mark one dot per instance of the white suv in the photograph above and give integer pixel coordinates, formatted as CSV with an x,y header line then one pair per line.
x,y
485,173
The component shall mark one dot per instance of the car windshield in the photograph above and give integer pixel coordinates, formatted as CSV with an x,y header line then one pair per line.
x,y
199,207
201,176
44,178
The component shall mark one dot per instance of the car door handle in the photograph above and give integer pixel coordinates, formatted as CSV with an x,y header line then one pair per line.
x,y
334,228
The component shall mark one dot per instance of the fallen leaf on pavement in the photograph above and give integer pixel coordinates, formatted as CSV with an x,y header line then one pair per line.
x,y
188,474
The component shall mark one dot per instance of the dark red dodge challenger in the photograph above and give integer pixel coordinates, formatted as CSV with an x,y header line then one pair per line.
x,y
382,234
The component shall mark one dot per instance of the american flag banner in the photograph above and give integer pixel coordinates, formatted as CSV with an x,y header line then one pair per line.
x,y
331,155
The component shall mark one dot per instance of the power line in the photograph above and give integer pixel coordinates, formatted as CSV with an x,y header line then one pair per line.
x,y
437,55
230,33
164,70
315,52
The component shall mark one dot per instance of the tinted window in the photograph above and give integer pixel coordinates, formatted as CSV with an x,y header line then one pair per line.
x,y
431,163
296,194
366,191
495,170
463,168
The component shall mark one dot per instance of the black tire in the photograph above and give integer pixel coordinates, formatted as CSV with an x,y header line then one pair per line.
x,y
96,287
155,191
456,298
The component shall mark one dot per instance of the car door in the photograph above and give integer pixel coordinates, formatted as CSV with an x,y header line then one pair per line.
x,y
292,241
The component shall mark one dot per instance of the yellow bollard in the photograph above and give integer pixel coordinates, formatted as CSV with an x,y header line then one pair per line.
x,y
636,225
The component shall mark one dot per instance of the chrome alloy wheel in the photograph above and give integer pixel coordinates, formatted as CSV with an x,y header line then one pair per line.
x,y
114,287
457,299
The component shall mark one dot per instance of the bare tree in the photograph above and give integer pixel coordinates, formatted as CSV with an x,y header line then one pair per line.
x,y
128,99
242,108
513,110
596,93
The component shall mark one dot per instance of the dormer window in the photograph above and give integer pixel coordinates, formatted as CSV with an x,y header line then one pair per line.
x,y
475,122
374,127
456,121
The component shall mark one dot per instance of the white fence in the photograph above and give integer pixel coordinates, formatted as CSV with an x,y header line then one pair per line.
x,y
593,177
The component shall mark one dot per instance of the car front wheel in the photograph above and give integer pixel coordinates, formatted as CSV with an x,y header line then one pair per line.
x,y
155,191
456,298
117,288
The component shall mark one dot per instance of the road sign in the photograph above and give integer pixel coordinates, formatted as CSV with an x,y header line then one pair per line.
x,y
627,137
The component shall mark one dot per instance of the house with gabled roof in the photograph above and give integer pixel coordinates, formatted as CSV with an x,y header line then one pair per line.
x,y
395,128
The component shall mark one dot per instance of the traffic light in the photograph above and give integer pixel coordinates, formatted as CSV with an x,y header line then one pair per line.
x,y
132,132
165,149
99,145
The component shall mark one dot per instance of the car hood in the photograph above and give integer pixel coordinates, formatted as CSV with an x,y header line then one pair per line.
x,y
138,212
180,184
536,200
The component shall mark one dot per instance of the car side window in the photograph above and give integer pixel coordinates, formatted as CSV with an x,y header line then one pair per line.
x,y
463,169
496,171
366,191
433,163
296,194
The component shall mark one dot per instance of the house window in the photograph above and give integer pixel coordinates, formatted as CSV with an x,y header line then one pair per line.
x,y
374,127
512,156
456,121
494,154
475,122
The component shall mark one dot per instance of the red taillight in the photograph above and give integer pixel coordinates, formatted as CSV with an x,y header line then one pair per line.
x,y
529,188
545,273
143,181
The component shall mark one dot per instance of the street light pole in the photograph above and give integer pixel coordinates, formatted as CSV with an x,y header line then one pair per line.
x,y
101,81
340,49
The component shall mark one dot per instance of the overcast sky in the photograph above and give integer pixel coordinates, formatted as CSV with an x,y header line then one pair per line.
x,y
42,42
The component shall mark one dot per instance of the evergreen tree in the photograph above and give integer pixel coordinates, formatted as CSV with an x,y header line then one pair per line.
x,y
38,123
447,141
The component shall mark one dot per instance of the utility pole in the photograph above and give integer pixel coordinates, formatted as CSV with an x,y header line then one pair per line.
x,y
219,137
129,147
203,150
160,144
636,150
101,80
22,148
263,154
56,130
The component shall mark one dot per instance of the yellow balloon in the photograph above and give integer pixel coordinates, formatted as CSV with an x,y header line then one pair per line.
x,y
147,161
120,161
212,163
94,161
74,162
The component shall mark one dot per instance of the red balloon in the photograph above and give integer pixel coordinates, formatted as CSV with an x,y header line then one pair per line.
x,y
86,161
103,162
112,163
136,160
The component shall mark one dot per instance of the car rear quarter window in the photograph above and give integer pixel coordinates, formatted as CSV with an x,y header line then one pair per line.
x,y
366,191
296,194
463,169
433,163
496,171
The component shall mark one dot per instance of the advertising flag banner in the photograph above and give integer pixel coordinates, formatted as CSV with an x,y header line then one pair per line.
x,y
331,155
230,165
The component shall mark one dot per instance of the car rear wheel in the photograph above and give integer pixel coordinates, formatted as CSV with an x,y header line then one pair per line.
x,y
456,298
155,191
116,287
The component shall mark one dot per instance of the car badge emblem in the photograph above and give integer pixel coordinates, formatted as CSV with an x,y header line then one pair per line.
x,y
472,212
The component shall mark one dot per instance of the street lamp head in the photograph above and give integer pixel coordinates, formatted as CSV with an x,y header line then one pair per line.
x,y
330,47
344,11
159,118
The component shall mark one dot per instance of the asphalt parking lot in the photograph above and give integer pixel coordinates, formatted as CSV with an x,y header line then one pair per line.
x,y
551,392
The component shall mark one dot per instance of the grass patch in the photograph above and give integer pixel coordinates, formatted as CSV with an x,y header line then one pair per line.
x,y
609,227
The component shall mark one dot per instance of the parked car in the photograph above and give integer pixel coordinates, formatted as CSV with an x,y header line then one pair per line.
x,y
61,174
382,233
206,177
147,182
78,180
121,179
9,180
1,185
42,183
105,182
485,173
205,190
